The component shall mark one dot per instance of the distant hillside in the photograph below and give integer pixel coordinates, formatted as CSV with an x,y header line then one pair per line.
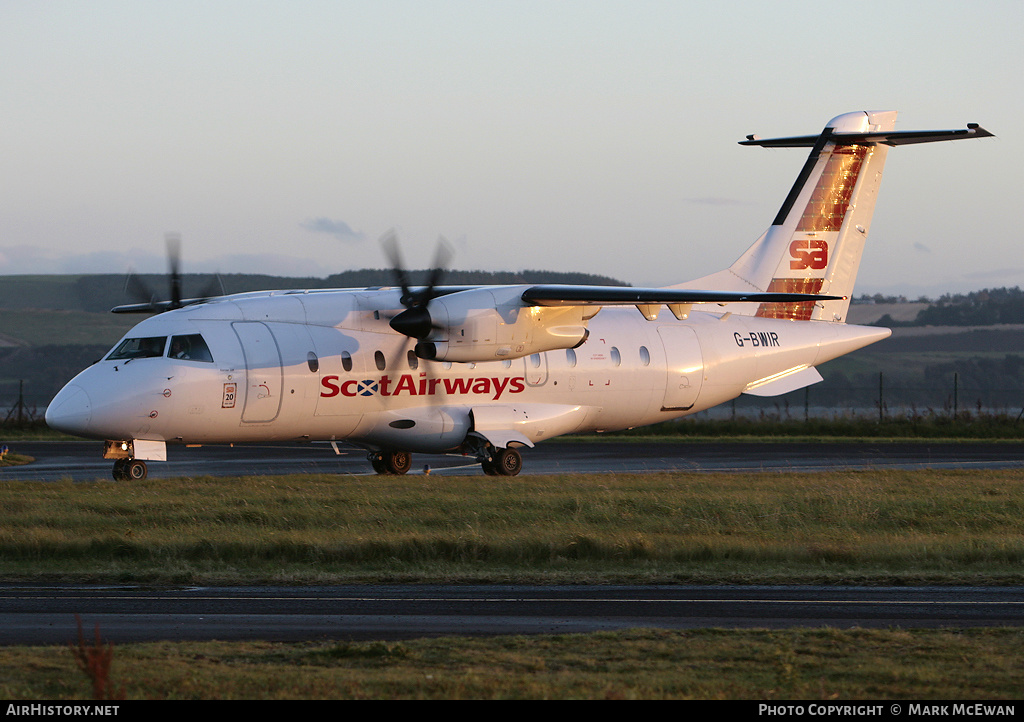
x,y
100,292
988,307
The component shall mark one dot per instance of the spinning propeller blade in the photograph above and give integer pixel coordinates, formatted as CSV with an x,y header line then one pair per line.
x,y
415,320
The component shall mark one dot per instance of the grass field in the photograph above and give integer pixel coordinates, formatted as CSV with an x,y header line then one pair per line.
x,y
870,527
886,526
831,666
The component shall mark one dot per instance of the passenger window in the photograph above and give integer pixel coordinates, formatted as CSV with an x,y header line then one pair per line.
x,y
138,348
645,356
616,356
378,358
414,361
346,360
570,357
312,361
535,360
190,348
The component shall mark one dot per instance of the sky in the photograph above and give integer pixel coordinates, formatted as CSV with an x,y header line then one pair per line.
x,y
595,135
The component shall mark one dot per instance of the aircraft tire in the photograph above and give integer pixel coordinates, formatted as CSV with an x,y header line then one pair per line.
x,y
397,461
118,472
507,462
135,470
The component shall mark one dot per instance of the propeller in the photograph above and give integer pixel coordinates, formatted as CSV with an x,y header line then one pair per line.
x,y
147,298
415,320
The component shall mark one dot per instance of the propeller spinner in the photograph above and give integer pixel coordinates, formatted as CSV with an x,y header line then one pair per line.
x,y
415,320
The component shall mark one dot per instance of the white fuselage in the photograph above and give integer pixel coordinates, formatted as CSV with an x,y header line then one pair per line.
x,y
326,366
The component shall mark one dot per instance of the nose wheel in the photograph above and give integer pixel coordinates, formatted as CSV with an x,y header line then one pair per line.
x,y
130,470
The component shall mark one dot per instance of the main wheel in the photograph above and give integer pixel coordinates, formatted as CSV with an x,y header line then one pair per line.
x,y
391,461
504,462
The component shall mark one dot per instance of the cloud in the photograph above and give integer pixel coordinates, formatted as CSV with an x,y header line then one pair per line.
x,y
339,229
922,248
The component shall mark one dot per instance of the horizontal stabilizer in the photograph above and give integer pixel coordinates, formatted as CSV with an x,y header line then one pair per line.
x,y
892,138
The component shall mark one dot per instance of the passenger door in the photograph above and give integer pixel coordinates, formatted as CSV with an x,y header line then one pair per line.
x,y
262,370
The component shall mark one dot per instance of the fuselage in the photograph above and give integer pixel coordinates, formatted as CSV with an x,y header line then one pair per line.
x,y
325,365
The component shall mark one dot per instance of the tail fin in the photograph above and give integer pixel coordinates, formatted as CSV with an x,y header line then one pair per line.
x,y
815,242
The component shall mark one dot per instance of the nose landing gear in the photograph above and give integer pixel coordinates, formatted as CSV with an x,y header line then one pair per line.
x,y
130,470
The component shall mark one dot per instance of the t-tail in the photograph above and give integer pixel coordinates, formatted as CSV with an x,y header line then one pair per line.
x,y
815,243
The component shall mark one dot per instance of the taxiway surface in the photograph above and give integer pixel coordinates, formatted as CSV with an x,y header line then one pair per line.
x,y
82,460
45,614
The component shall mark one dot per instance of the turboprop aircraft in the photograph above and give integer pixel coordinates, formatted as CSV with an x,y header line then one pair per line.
x,y
485,371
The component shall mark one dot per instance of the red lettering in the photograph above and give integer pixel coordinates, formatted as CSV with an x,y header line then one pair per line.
x,y
457,386
499,386
329,387
405,384
808,254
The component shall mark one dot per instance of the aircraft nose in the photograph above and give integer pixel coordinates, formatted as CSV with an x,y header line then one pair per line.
x,y
70,411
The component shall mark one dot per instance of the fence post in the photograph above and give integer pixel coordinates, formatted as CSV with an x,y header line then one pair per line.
x,y
956,394
881,399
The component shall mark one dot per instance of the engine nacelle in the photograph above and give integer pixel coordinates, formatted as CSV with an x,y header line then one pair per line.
x,y
491,324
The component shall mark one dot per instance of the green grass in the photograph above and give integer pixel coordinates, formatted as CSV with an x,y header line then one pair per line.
x,y
825,665
883,526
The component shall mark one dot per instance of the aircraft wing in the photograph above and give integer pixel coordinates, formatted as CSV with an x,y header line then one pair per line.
x,y
156,306
558,295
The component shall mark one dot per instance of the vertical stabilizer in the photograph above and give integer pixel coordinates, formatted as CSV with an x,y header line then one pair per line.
x,y
816,241
818,235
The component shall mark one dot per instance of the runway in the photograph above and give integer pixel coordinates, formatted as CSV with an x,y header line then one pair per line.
x,y
82,460
46,614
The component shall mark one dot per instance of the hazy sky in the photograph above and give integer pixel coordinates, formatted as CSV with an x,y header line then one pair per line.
x,y
597,136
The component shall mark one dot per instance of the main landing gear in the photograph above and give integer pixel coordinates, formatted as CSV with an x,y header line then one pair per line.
x,y
502,462
493,461
390,461
130,470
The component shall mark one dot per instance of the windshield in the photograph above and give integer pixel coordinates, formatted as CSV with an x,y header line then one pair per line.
x,y
139,348
191,347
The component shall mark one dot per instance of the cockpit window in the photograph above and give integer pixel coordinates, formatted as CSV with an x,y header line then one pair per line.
x,y
191,347
139,348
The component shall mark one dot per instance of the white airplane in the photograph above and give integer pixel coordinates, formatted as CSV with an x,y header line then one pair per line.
x,y
486,370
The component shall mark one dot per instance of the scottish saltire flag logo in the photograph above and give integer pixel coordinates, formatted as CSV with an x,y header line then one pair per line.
x,y
367,388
